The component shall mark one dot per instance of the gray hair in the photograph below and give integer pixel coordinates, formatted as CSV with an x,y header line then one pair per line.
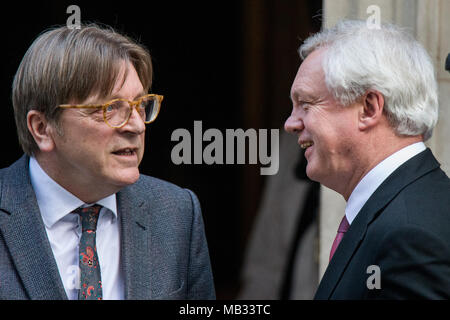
x,y
389,60
68,65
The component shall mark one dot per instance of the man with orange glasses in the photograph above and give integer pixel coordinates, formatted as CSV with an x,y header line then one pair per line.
x,y
77,219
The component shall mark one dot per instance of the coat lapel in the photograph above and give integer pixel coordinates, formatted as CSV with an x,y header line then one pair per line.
x,y
411,170
24,233
135,243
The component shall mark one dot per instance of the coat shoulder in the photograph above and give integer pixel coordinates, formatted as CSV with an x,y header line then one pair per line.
x,y
424,203
164,192
427,200
146,183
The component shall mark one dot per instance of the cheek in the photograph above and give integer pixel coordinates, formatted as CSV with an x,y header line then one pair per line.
x,y
141,150
95,143
96,146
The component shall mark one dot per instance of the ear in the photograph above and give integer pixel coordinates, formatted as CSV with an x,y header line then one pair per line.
x,y
41,130
372,110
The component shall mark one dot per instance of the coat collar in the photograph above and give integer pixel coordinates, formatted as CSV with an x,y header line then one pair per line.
x,y
24,233
135,226
407,173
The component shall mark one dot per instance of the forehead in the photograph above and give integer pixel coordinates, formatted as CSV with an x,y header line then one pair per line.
x,y
128,83
127,86
310,77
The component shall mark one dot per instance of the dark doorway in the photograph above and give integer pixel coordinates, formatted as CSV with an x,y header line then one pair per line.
x,y
228,64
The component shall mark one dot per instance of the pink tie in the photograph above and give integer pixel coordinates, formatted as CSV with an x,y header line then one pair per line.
x,y
343,227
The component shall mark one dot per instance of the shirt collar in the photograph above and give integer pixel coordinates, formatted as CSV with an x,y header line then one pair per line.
x,y
54,201
375,177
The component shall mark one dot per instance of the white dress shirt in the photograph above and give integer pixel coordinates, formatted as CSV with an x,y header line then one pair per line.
x,y
64,233
375,177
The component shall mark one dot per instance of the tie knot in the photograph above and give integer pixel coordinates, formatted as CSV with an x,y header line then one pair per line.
x,y
343,227
89,217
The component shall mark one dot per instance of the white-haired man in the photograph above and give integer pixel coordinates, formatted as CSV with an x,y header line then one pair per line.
x,y
364,100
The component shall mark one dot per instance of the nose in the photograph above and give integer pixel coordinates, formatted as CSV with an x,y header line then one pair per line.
x,y
135,124
294,124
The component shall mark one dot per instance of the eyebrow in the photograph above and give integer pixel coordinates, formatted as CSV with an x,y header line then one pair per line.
x,y
140,94
298,92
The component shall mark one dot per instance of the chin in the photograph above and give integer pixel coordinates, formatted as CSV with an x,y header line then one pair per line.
x,y
126,176
313,173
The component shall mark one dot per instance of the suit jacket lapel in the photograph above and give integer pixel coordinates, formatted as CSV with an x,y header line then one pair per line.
x,y
411,170
24,232
341,258
135,243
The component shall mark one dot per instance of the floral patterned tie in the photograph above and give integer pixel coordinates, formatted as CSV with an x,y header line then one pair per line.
x,y
90,277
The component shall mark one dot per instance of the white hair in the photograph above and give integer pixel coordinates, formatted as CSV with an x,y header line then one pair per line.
x,y
389,60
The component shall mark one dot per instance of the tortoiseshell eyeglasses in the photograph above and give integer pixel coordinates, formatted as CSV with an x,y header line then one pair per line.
x,y
117,112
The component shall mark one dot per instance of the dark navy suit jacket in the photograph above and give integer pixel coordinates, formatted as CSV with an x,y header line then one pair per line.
x,y
164,252
404,230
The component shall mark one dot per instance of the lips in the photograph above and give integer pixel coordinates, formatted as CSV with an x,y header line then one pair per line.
x,y
306,144
125,151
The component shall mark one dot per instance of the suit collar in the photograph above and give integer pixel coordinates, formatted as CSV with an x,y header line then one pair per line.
x,y
54,201
375,177
407,173
24,233
135,226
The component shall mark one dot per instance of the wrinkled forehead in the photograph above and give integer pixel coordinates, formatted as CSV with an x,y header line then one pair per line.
x,y
310,75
